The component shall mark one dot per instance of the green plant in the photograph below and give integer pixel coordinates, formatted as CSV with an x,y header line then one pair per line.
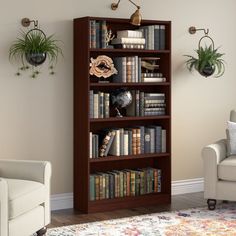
x,y
32,48
208,61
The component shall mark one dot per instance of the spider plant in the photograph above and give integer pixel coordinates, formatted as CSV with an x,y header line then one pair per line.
x,y
31,50
208,62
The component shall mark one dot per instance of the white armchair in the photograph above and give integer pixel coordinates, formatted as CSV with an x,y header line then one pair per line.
x,y
219,172
24,197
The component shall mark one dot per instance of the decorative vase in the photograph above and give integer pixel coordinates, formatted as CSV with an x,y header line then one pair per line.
x,y
36,59
207,71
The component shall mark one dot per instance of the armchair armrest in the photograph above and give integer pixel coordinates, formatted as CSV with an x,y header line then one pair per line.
x,y
3,207
212,155
39,171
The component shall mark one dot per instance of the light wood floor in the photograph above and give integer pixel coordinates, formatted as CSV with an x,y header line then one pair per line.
x,y
179,202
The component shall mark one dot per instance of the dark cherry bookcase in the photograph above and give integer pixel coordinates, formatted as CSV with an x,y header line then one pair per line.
x,y
83,165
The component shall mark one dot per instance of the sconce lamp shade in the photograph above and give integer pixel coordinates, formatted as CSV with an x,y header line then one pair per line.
x,y
136,18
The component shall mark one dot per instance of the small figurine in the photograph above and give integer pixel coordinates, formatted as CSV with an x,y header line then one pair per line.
x,y
109,37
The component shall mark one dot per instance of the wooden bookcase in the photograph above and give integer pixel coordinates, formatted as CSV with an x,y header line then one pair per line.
x,y
83,165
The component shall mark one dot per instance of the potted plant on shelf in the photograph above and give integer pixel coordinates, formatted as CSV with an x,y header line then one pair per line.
x,y
32,49
208,61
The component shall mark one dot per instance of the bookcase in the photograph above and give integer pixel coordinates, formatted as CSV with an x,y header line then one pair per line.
x,y
84,166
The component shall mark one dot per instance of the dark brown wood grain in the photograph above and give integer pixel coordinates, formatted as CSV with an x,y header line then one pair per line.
x,y
83,166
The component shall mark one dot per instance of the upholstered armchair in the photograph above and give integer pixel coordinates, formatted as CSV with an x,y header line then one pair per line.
x,y
24,197
219,171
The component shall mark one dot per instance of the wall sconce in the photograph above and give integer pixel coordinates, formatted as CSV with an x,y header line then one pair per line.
x,y
135,18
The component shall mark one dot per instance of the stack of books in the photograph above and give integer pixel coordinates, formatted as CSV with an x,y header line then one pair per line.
x,y
97,34
146,104
124,183
132,39
99,104
128,141
154,37
130,71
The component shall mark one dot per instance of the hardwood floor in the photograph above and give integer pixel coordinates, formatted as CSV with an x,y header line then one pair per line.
x,y
70,216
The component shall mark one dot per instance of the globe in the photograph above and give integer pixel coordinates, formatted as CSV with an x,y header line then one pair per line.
x,y
121,98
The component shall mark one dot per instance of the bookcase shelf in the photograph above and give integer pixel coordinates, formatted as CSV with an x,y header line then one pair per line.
x,y
133,201
100,85
129,157
137,118
84,166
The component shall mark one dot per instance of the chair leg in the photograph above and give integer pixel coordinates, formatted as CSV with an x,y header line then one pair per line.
x,y
211,204
42,231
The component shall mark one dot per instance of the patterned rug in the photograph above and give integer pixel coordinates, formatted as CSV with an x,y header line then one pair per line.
x,y
191,222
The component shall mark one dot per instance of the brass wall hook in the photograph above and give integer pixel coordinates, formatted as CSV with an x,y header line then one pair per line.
x,y
193,30
26,22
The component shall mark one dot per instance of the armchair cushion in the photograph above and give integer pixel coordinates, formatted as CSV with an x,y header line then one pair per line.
x,y
227,169
24,195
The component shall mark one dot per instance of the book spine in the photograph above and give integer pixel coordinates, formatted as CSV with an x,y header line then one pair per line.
x,y
94,146
138,141
129,34
129,69
163,139
92,34
103,33
109,143
134,142
130,142
126,143
91,104
162,37
118,63
139,70
106,105
137,101
147,140
128,41
121,141
159,180
90,145
107,186
111,186
121,177
124,62
98,37
97,187
132,69
96,105
136,69
158,139
142,131
125,183
92,187
141,107
101,105
130,110
132,183
157,37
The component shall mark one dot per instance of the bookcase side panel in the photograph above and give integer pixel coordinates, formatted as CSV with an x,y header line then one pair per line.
x,y
81,114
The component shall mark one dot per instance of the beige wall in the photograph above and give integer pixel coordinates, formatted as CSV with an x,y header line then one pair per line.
x,y
36,116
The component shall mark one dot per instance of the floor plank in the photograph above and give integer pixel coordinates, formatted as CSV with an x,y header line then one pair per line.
x,y
179,202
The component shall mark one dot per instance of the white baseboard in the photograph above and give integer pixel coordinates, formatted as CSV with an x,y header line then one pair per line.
x,y
61,201
65,200
187,186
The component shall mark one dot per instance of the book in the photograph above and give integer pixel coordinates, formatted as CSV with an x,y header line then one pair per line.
x,y
128,41
98,37
118,63
138,141
129,34
91,106
106,143
106,105
95,105
101,105
90,145
162,37
147,141
92,187
129,46
153,79
157,37
126,143
163,138
92,34
115,146
121,141
103,33
134,141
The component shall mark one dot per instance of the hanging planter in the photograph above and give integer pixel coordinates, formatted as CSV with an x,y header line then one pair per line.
x,y
208,61
32,49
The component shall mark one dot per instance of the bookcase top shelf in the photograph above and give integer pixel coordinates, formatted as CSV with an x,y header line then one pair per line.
x,y
123,20
129,118
128,157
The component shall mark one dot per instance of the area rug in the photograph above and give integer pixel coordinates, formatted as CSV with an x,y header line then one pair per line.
x,y
191,222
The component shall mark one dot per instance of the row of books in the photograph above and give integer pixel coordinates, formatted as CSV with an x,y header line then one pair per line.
x,y
154,36
124,183
128,141
150,37
97,35
146,104
130,70
99,104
